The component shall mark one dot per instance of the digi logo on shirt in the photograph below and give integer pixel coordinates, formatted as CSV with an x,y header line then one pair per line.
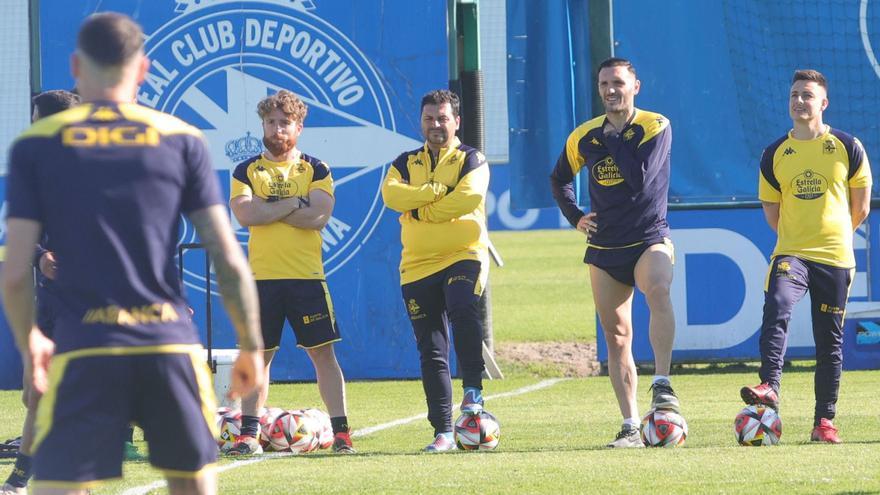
x,y
606,172
103,136
809,185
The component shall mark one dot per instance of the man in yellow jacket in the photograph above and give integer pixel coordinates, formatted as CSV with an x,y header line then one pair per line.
x,y
440,191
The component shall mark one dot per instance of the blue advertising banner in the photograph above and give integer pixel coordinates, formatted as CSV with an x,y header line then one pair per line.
x,y
212,61
721,262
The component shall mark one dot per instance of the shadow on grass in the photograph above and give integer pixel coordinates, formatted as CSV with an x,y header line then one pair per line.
x,y
730,368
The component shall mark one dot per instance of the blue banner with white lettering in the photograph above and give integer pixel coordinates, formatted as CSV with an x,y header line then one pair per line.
x,y
212,61
721,263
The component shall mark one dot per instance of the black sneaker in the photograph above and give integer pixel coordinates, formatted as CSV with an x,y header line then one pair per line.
x,y
628,438
664,398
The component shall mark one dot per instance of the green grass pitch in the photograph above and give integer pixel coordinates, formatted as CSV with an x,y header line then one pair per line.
x,y
552,438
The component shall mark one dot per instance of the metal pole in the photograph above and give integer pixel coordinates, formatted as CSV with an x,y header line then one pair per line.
x,y
210,319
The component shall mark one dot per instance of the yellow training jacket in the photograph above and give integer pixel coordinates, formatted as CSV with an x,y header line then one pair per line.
x,y
442,202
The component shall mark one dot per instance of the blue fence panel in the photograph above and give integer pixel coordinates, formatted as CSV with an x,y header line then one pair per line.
x,y
726,95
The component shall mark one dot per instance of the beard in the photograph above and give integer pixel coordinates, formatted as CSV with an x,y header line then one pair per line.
x,y
278,146
437,136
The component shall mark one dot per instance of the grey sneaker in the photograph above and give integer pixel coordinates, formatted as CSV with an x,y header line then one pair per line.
x,y
628,438
664,398
441,443
246,445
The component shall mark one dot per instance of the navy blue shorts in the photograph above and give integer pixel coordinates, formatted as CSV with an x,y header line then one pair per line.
x,y
306,304
620,263
94,394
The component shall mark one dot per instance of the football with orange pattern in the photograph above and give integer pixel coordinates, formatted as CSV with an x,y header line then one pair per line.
x,y
756,426
664,429
477,432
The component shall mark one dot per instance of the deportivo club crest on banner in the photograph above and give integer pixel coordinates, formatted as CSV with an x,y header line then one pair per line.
x,y
212,64
212,61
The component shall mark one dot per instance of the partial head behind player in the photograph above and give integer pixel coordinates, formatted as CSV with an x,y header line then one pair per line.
x,y
109,61
53,101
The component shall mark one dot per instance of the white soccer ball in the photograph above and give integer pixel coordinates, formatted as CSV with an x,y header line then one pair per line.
x,y
290,432
755,426
229,424
477,432
664,429
322,426
266,419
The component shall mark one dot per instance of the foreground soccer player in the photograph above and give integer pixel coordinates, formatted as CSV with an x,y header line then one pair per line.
x,y
815,187
627,151
440,191
107,181
285,198
45,104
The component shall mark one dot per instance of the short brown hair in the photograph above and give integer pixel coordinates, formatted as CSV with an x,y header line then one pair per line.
x,y
810,75
441,96
53,101
285,101
110,39
617,62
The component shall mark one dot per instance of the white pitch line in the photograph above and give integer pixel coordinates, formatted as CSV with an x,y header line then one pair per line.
x,y
400,422
144,490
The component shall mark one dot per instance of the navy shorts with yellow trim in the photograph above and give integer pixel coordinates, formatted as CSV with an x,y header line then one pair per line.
x,y
83,418
306,304
620,262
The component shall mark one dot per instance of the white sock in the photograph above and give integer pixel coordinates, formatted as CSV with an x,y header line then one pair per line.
x,y
661,377
633,422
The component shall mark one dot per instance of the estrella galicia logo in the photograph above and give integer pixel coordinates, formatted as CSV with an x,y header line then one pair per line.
x,y
809,185
606,172
215,62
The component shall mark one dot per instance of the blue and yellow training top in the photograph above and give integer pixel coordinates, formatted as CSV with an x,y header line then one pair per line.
x,y
442,202
811,179
277,250
628,178
108,183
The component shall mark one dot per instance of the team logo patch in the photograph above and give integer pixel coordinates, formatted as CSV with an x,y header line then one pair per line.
x,y
415,311
606,172
413,307
629,134
829,147
828,308
809,185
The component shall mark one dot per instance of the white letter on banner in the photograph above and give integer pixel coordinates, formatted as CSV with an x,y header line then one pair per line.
x,y
511,221
251,32
753,266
